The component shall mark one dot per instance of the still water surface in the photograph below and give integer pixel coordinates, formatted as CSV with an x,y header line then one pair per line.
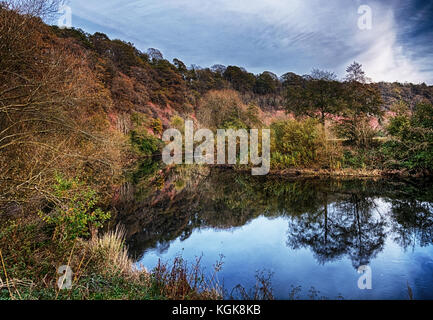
x,y
306,233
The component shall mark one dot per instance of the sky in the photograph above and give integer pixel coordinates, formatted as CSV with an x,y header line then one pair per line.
x,y
275,35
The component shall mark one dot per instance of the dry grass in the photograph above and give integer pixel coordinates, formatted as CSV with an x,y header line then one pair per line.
x,y
110,253
345,172
174,281
262,290
178,281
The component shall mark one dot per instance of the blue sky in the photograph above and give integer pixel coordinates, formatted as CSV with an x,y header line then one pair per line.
x,y
274,35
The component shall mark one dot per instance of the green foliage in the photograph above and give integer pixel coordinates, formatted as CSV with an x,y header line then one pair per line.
x,y
76,212
144,143
157,126
145,168
240,80
371,158
234,123
362,102
316,95
362,99
19,239
412,144
294,143
75,33
266,83
203,80
303,143
97,287
178,123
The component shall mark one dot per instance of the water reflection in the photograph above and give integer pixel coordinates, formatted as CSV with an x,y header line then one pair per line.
x,y
331,217
345,226
334,219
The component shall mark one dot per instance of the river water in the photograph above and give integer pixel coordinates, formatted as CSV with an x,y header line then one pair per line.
x,y
308,236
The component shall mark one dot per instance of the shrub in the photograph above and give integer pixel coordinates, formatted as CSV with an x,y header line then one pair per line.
x,y
144,143
299,143
178,123
357,130
157,126
224,109
75,214
411,146
179,281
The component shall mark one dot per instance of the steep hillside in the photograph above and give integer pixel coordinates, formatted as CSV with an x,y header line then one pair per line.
x,y
74,103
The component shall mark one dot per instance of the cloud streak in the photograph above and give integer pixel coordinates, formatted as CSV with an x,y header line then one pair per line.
x,y
273,35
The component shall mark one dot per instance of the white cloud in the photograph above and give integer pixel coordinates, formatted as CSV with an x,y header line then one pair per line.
x,y
274,35
384,59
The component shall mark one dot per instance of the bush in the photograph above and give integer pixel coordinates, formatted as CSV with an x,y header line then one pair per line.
x,y
75,214
411,146
157,126
363,158
302,143
142,141
225,109
357,130
178,123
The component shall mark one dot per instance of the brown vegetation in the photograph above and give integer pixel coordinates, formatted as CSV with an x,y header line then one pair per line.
x,y
52,113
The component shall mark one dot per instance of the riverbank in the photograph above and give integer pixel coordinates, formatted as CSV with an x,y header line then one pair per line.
x,y
349,172
101,264
230,210
100,269
346,172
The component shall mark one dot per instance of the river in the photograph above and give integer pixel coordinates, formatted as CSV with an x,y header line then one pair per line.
x,y
308,236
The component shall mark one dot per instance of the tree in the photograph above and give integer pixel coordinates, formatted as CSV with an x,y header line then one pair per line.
x,y
224,109
51,111
36,8
316,95
206,80
241,80
218,68
349,229
266,83
362,98
155,54
289,79
181,67
362,102
355,73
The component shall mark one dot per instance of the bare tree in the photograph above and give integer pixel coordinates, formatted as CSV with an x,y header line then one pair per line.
x,y
48,96
45,9
155,54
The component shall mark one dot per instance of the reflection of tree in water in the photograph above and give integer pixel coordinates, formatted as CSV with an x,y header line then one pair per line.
x,y
411,213
365,233
178,201
412,223
344,227
333,218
